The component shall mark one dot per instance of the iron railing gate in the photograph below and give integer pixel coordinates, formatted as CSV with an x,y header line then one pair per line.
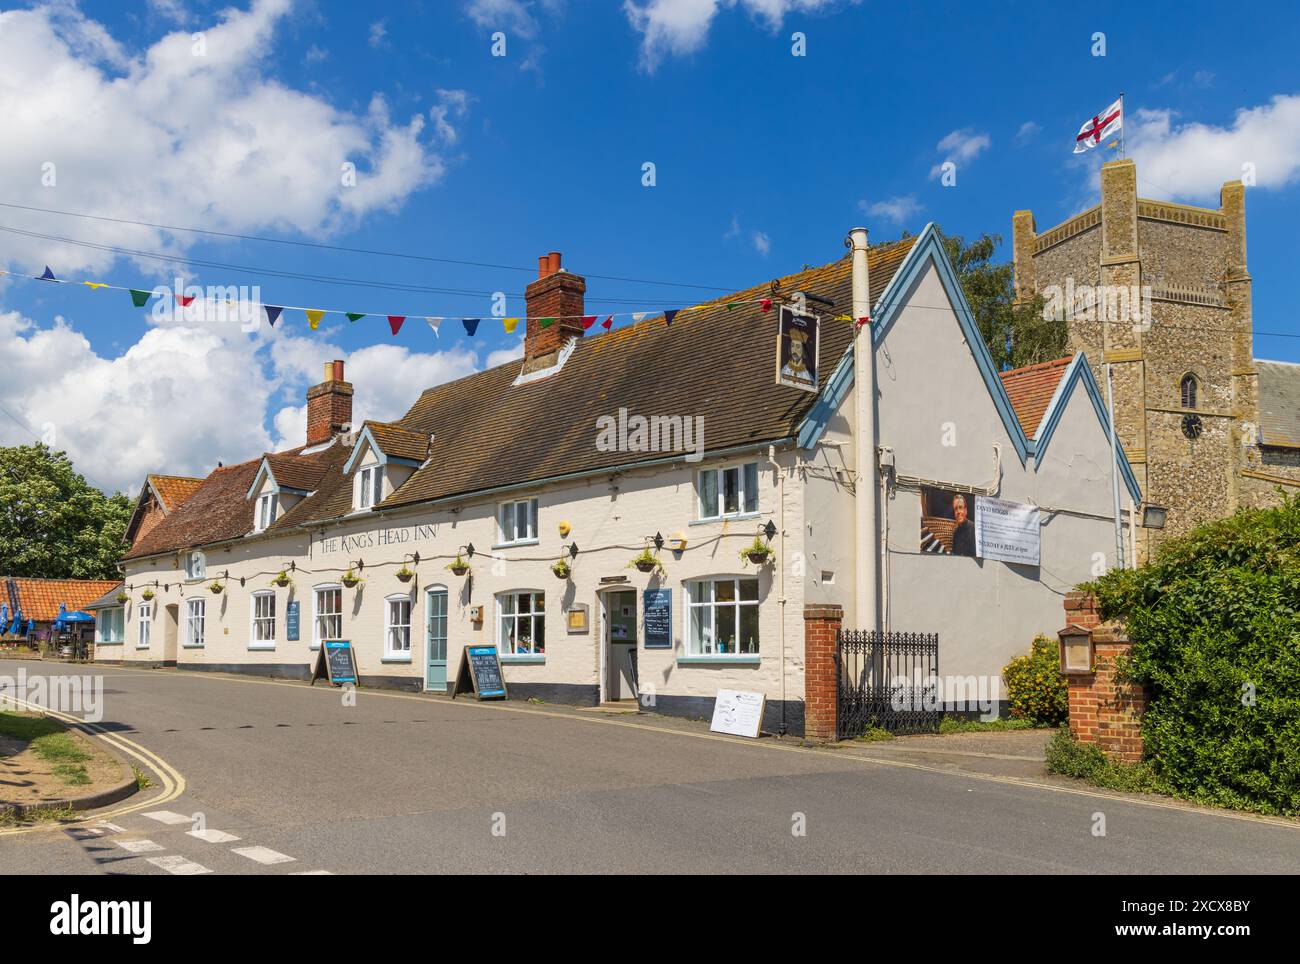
x,y
887,680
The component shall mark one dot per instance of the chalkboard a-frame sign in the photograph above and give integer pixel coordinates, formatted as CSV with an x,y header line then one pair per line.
x,y
337,662
480,671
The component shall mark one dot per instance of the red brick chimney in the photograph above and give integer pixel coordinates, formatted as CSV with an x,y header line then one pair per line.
x,y
555,294
329,405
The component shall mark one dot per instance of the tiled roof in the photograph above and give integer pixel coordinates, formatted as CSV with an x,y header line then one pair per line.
x,y
40,598
397,442
1279,403
713,362
108,599
1031,389
174,489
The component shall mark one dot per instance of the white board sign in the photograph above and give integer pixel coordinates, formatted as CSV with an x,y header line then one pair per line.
x,y
1006,531
738,713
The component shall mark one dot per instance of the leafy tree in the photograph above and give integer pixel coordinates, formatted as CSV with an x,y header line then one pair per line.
x,y
53,524
1016,335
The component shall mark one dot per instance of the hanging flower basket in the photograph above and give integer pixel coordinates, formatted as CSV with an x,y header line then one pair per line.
x,y
405,575
350,579
282,580
756,552
458,566
562,569
122,597
147,595
216,589
646,561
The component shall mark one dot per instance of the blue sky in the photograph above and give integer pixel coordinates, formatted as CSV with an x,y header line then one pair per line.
x,y
762,159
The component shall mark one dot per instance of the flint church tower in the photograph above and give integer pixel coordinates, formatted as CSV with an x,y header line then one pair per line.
x,y
1160,292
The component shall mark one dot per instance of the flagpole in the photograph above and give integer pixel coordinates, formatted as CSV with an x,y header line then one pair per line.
x,y
1122,125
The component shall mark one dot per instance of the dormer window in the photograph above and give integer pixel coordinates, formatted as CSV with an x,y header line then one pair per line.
x,y
267,507
370,486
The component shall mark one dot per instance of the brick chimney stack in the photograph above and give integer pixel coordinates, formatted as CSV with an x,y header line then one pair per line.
x,y
555,294
329,405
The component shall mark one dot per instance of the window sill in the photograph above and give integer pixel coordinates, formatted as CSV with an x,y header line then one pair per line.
x,y
109,642
192,646
731,517
395,659
263,648
535,658
521,542
721,659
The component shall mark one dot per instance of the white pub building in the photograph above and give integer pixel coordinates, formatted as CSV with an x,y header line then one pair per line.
x,y
913,488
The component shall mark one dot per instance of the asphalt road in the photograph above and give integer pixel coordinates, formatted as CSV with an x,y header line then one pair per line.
x,y
412,784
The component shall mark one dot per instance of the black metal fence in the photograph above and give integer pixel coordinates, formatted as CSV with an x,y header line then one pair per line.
x,y
887,680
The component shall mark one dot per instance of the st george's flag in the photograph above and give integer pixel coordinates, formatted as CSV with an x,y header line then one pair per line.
x,y
1103,125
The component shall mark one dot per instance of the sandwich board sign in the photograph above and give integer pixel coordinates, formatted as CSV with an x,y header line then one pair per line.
x,y
480,672
738,712
336,661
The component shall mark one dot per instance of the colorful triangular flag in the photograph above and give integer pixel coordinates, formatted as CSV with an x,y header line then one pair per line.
x,y
639,315
94,284
864,320
670,314
435,324
185,300
355,315
607,323
730,305
48,276
588,321
471,325
395,322
511,324
273,313
140,298
546,322
314,315
765,305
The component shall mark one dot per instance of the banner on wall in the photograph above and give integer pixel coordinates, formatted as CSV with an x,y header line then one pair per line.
x,y
1006,531
962,524
796,350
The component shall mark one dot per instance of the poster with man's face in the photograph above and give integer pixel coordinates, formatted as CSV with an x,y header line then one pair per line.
x,y
947,522
796,350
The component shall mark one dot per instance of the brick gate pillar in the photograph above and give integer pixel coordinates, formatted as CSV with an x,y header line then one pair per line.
x,y
821,624
1104,709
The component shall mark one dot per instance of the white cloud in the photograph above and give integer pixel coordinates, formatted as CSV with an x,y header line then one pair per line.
x,y
1191,161
681,27
378,34
1027,132
896,209
961,146
503,355
452,105
510,16
181,134
762,243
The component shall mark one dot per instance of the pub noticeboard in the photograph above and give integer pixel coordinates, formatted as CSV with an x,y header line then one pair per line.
x,y
336,661
480,671
658,607
291,621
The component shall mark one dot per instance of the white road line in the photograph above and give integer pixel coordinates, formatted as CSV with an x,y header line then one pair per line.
x,y
312,873
113,827
169,818
176,864
213,836
263,855
139,846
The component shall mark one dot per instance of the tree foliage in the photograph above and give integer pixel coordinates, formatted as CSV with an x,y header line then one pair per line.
x,y
53,524
1215,625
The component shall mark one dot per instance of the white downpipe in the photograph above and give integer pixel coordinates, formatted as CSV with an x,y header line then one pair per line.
x,y
867,595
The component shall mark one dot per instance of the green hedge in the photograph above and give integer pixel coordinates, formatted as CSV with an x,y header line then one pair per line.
x,y
1215,624
1036,690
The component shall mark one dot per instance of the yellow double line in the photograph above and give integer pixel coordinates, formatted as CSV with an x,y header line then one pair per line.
x,y
173,782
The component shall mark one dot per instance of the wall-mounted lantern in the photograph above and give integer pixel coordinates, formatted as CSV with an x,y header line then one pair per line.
x,y
1153,516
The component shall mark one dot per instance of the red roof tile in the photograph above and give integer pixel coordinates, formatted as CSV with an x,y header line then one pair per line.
x,y
1031,389
174,489
40,598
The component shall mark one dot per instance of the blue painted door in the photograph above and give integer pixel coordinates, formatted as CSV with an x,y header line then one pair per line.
x,y
435,637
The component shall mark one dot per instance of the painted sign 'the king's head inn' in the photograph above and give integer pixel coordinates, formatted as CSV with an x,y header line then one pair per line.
x,y
489,515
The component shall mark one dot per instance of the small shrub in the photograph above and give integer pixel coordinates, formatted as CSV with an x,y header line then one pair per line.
x,y
956,724
1036,689
1085,761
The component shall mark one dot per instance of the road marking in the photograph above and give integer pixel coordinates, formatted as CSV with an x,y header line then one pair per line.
x,y
169,818
312,873
139,846
176,864
213,836
263,855
113,827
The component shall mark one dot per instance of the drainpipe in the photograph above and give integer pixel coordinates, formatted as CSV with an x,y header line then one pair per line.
x,y
864,448
780,563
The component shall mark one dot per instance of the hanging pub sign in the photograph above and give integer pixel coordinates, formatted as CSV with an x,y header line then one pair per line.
x,y
337,662
796,349
1006,531
480,673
